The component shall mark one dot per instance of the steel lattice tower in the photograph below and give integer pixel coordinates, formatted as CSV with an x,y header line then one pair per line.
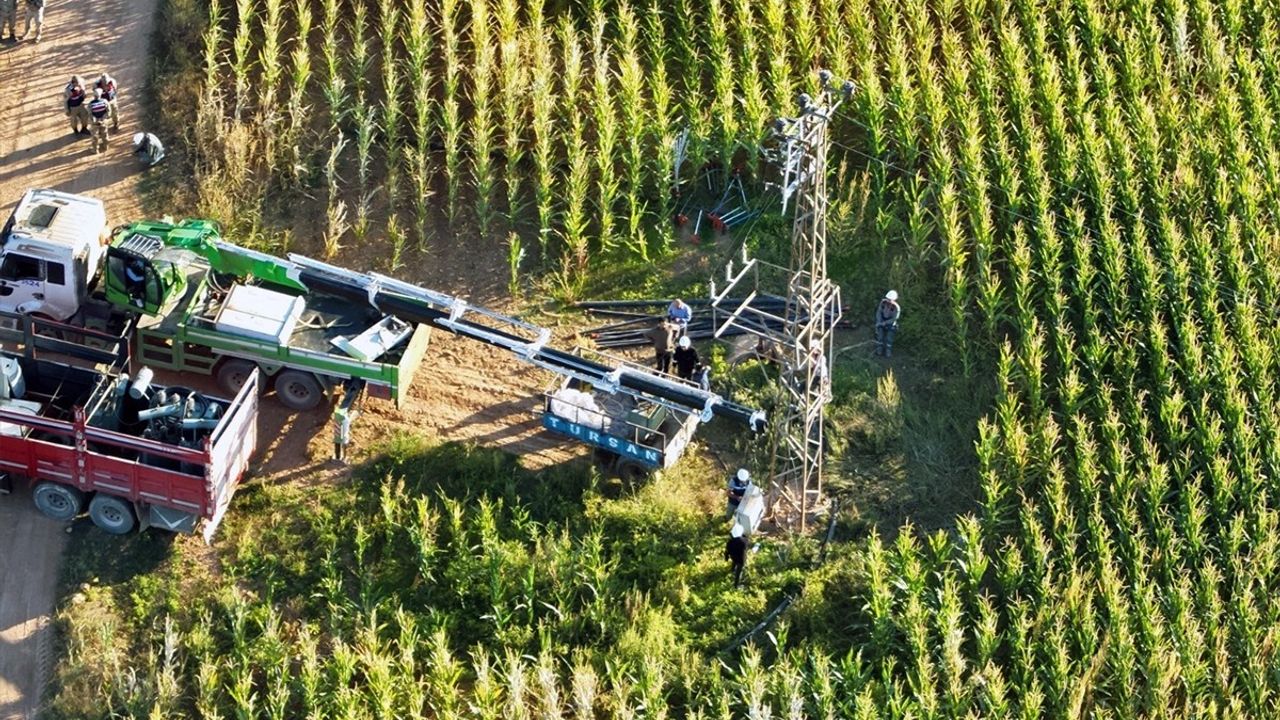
x,y
803,335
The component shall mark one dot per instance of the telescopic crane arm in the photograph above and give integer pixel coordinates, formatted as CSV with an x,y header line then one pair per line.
x,y
452,314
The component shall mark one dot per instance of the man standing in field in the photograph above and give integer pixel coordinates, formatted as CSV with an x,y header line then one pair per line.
x,y
107,85
9,16
886,320
735,551
35,11
74,97
686,358
662,336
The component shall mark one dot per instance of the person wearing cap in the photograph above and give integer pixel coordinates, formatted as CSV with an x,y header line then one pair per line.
x,y
74,97
35,13
663,337
680,314
686,358
107,85
735,551
99,110
738,483
148,148
886,321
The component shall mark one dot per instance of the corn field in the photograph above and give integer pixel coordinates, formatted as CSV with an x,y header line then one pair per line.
x,y
1092,189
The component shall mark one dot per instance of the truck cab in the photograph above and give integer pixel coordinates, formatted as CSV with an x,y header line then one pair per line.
x,y
51,250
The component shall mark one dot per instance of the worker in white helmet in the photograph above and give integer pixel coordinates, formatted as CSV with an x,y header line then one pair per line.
x,y
735,551
738,483
148,148
686,358
886,322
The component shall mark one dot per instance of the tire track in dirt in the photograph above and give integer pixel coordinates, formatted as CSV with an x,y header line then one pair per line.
x,y
37,149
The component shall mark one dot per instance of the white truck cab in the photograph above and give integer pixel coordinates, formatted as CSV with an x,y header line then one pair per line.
x,y
51,250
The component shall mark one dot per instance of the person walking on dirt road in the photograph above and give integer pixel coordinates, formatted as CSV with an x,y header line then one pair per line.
x,y
35,11
107,85
75,99
99,110
9,16
887,314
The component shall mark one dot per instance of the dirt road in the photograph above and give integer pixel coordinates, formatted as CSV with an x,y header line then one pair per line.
x,y
37,149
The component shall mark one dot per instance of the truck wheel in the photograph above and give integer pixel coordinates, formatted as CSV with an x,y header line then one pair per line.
x,y
632,472
605,459
112,514
233,374
59,502
299,390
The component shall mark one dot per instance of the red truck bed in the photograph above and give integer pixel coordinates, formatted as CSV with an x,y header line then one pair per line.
x,y
171,487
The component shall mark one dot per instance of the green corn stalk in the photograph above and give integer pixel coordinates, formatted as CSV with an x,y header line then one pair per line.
x,y
269,82
482,126
577,183
515,256
241,58
542,114
664,132
450,105
335,83
392,92
418,83
631,88
513,79
336,224
606,131
299,84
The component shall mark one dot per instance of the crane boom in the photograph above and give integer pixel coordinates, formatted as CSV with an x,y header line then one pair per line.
x,y
452,314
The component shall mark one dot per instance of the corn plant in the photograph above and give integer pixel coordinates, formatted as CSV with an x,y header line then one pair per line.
x,y
542,114
418,87
631,87
482,125
335,82
241,55
577,182
450,105
299,80
606,130
513,77
392,94
336,224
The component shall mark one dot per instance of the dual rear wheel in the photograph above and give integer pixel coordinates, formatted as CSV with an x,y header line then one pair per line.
x,y
64,504
296,389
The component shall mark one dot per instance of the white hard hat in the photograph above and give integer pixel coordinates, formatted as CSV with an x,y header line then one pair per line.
x,y
736,530
743,475
891,295
685,342
137,138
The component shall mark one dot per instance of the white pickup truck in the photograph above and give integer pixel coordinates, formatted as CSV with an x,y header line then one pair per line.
x,y
51,251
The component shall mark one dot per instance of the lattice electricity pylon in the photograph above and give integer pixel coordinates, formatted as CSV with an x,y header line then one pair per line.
x,y
803,334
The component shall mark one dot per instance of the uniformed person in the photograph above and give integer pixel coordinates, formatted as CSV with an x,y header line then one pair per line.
x,y
75,98
107,85
9,17
99,111
35,13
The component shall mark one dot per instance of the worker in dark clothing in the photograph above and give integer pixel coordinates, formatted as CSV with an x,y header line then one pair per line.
x,y
686,358
735,551
663,337
886,321
135,282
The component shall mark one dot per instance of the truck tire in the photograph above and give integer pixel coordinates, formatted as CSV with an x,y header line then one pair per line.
x,y
60,502
299,390
233,373
112,515
632,472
